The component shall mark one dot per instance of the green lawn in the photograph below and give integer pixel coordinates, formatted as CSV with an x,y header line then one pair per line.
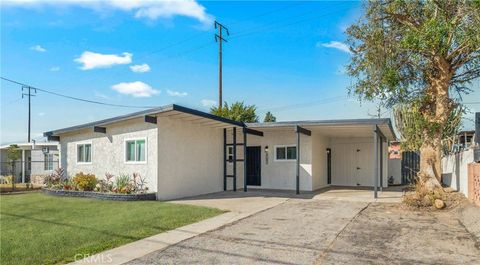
x,y
40,229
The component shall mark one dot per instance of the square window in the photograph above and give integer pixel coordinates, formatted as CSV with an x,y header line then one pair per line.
x,y
291,152
84,153
135,150
280,153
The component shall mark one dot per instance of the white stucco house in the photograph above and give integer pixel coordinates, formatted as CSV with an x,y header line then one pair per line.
x,y
37,159
185,152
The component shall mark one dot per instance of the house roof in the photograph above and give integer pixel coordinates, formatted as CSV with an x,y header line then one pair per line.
x,y
30,145
207,118
171,109
352,126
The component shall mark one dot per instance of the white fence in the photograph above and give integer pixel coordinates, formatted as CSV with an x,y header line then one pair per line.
x,y
455,170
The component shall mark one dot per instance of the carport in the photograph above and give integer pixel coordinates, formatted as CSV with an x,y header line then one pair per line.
x,y
329,153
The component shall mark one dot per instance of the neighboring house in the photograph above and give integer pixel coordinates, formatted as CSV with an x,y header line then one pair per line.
x,y
37,159
184,152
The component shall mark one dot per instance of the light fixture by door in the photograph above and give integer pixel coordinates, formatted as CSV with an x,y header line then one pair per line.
x,y
266,154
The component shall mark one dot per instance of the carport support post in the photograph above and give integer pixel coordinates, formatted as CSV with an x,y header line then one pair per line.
x,y
244,159
298,163
234,158
224,159
375,161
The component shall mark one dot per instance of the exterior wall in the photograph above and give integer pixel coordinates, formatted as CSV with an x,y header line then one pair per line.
x,y
280,175
455,170
190,159
38,162
108,151
320,144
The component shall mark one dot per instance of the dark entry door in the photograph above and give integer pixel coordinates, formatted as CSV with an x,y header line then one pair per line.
x,y
253,165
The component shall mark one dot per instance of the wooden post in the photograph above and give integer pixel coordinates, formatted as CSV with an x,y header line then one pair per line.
x,y
244,160
234,158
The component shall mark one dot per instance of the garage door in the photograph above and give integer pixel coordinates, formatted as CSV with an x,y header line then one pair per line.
x,y
352,164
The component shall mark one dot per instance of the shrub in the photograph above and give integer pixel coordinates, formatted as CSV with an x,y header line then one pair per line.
x,y
122,184
85,182
55,178
6,179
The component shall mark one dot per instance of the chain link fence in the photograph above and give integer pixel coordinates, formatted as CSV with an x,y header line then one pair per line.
x,y
33,171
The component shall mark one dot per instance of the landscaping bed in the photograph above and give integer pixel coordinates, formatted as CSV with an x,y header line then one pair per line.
x,y
103,196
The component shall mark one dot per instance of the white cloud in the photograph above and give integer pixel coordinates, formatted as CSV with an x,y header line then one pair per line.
x,y
136,89
177,94
150,9
55,69
208,102
91,60
41,114
336,45
38,48
140,68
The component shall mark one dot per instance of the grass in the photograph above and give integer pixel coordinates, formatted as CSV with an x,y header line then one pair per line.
x,y
40,229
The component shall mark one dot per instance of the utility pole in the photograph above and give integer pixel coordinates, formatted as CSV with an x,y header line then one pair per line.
x,y
220,39
29,94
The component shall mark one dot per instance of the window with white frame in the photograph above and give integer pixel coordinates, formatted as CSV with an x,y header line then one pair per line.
x,y
48,162
285,152
84,153
135,150
230,153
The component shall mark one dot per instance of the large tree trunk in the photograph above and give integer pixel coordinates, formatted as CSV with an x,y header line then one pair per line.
x,y
430,164
436,110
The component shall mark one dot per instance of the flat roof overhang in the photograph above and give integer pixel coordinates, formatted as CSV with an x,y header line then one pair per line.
x,y
174,111
333,128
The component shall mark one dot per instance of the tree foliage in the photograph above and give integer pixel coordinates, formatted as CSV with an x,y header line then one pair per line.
x,y
418,52
401,47
269,117
237,111
410,122
13,152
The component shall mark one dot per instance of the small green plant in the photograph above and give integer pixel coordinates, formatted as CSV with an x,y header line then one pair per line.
x,y
85,182
122,184
139,183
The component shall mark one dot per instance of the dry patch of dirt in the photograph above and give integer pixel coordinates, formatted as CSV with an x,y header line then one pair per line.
x,y
417,199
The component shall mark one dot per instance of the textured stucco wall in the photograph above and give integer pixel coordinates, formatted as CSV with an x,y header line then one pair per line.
x,y
277,174
320,144
38,162
190,159
455,170
108,151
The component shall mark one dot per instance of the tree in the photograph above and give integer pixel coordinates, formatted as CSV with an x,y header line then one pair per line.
x,y
269,117
13,154
409,122
417,52
237,111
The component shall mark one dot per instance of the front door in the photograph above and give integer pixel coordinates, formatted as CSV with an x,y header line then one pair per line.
x,y
253,165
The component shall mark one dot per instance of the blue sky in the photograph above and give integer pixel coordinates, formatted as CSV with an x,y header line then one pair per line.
x,y
286,57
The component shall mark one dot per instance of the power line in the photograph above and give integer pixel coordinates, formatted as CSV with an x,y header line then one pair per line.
x,y
76,98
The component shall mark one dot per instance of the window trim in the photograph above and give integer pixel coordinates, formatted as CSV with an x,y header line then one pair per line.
x,y
284,146
91,153
125,151
47,162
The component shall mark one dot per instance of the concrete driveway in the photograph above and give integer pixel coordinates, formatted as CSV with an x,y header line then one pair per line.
x,y
321,229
